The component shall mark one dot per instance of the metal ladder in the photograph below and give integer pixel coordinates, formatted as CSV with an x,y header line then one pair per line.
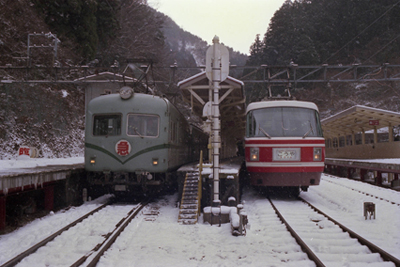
x,y
190,203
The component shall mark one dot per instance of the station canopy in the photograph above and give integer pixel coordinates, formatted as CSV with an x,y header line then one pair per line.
x,y
196,92
357,119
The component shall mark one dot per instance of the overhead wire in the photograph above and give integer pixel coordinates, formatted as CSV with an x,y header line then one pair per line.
x,y
376,20
383,48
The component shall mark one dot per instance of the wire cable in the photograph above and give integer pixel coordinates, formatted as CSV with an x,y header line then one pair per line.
x,y
383,48
387,11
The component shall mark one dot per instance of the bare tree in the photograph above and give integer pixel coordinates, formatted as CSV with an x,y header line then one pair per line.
x,y
140,36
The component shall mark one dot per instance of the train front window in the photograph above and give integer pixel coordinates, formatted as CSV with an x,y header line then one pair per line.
x,y
283,122
143,125
106,125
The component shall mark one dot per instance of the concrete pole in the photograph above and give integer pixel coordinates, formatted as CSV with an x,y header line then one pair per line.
x,y
216,79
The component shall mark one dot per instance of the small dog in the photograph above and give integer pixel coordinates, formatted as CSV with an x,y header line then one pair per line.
x,y
369,210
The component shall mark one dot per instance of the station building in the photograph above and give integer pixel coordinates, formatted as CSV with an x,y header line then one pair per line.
x,y
364,142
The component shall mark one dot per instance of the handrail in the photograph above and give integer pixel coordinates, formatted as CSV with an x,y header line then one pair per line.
x,y
200,185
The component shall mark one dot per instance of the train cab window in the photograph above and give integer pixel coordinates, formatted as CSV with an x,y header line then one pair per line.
x,y
283,122
107,125
143,125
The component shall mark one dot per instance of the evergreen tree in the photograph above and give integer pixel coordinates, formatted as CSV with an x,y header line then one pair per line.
x,y
255,51
82,21
335,32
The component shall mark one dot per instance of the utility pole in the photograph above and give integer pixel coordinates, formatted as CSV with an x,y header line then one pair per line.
x,y
217,70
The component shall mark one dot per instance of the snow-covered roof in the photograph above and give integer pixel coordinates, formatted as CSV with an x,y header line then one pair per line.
x,y
232,101
359,118
281,103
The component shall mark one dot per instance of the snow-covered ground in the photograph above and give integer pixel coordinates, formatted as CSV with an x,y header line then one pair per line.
x,y
336,197
25,162
164,242
387,161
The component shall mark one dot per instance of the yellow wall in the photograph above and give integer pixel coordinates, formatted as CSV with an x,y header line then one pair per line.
x,y
368,151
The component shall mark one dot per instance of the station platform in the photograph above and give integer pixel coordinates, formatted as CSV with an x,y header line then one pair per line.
x,y
46,187
230,176
229,166
17,180
381,172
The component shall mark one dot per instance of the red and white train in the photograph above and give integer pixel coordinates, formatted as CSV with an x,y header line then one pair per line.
x,y
284,144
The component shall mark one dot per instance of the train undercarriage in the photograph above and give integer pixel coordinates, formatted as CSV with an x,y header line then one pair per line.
x,y
123,184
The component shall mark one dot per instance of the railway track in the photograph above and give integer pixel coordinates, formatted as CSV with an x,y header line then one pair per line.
x,y
363,192
91,235
32,249
92,257
326,241
273,238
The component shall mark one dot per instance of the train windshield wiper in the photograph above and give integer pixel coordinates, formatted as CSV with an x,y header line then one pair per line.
x,y
137,132
309,131
264,132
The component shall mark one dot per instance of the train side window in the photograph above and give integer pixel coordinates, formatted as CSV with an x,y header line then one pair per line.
x,y
107,125
251,124
177,138
143,125
172,132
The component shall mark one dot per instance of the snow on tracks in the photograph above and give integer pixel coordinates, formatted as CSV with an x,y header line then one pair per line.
x,y
330,244
335,197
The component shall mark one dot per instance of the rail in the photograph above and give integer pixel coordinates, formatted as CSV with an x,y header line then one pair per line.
x,y
298,239
313,254
95,254
26,253
374,248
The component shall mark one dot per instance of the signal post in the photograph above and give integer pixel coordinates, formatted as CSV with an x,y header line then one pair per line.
x,y
217,70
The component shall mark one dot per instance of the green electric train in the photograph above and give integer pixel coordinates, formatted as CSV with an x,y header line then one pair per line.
x,y
134,142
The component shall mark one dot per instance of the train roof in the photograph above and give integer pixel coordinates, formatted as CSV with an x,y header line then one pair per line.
x,y
281,103
143,102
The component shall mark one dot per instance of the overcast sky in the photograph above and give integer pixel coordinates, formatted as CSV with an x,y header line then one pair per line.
x,y
235,22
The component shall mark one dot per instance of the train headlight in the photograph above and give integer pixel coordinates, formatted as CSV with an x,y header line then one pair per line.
x,y
126,92
155,162
254,153
317,153
93,160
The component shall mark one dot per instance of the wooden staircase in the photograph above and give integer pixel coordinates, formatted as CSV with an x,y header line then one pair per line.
x,y
191,198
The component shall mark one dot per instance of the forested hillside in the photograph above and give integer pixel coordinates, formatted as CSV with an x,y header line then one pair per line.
x,y
340,32
98,33
332,32
103,32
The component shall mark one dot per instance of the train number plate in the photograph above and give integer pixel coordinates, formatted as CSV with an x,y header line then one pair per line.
x,y
286,154
120,187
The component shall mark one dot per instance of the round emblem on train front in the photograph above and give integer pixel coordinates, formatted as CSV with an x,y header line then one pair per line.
x,y
123,148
